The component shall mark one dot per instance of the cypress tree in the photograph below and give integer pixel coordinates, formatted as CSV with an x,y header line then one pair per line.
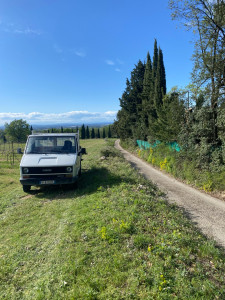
x,y
109,132
147,103
200,101
103,134
98,134
170,118
87,133
158,92
162,72
160,82
154,71
123,115
142,98
129,117
83,132
147,81
92,133
155,60
135,100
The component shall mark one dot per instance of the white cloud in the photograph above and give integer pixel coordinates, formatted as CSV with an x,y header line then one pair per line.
x,y
18,29
114,63
53,118
110,62
27,31
80,53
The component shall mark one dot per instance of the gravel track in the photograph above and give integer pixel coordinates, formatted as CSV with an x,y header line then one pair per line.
x,y
207,212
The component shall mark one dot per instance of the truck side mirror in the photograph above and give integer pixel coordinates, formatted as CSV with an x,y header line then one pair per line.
x,y
19,151
82,151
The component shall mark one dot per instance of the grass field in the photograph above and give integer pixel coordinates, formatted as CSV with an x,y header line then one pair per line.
x,y
112,237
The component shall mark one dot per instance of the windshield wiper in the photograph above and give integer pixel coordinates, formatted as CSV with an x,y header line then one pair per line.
x,y
33,152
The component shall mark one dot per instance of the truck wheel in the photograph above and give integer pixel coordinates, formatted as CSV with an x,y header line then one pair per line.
x,y
26,188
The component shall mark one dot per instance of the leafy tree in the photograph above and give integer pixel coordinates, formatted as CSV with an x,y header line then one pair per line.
x,y
207,20
2,134
17,130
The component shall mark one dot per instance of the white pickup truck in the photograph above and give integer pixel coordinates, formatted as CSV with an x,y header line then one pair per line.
x,y
51,159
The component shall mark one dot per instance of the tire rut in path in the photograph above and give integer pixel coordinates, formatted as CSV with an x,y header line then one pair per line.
x,y
207,212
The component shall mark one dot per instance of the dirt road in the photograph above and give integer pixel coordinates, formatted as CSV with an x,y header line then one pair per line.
x,y
206,212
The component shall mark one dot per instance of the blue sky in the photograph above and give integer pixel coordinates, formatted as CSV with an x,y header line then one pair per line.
x,y
67,61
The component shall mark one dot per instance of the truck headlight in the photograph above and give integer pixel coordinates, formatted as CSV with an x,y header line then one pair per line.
x,y
69,169
25,170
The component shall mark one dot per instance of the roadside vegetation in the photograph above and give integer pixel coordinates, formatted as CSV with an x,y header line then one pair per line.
x,y
209,178
192,117
112,237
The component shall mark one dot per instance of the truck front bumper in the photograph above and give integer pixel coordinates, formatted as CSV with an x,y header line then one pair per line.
x,y
43,181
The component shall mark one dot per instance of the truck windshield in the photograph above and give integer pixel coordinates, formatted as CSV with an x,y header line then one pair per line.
x,y
51,144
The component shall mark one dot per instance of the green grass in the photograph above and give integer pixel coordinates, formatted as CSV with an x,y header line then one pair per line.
x,y
112,237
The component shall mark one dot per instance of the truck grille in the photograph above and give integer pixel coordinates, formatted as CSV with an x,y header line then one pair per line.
x,y
46,170
48,177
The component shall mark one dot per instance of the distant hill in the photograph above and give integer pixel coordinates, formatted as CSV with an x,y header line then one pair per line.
x,y
67,125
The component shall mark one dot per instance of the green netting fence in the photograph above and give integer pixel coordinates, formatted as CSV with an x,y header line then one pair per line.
x,y
146,145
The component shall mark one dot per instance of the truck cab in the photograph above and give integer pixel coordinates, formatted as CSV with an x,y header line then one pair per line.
x,y
51,159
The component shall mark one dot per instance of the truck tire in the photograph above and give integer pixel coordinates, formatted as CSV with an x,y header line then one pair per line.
x,y
26,188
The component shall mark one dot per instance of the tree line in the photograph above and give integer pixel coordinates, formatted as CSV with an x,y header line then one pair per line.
x,y
146,108
195,116
18,130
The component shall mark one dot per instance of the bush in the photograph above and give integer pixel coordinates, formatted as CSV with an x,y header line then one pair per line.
x,y
109,151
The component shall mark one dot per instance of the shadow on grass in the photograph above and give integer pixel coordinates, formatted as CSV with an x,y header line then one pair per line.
x,y
89,182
